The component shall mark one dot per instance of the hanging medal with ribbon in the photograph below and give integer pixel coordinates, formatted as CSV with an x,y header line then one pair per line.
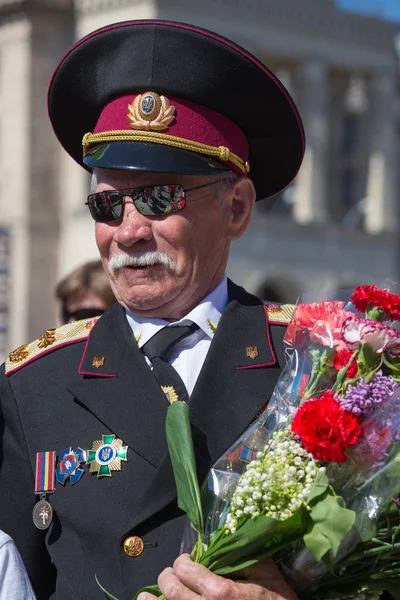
x,y
45,483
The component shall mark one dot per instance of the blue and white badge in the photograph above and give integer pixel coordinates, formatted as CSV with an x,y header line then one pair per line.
x,y
69,465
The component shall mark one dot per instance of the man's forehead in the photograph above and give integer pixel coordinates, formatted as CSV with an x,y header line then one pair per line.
x,y
119,178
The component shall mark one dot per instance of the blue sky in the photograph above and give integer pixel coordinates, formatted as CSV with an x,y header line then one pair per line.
x,y
388,9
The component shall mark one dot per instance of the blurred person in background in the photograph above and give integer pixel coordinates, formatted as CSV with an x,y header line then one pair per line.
x,y
84,293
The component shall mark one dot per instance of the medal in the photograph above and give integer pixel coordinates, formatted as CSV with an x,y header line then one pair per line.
x,y
69,465
106,455
44,484
42,514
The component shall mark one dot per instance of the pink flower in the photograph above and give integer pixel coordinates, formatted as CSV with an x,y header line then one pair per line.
x,y
323,321
381,338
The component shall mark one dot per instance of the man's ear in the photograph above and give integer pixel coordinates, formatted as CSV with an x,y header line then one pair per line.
x,y
242,198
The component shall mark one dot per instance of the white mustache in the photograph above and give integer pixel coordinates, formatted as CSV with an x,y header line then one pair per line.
x,y
141,259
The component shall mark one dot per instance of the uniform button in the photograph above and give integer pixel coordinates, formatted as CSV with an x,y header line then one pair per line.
x,y
133,545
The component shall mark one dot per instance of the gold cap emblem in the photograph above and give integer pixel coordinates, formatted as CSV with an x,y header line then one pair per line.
x,y
98,362
251,351
151,112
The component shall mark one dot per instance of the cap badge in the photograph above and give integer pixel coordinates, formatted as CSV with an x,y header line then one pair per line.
x,y
151,112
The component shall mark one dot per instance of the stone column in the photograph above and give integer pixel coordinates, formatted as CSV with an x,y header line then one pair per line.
x,y
382,187
311,199
14,167
52,33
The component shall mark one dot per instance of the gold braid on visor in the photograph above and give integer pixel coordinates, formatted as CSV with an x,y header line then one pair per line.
x,y
221,152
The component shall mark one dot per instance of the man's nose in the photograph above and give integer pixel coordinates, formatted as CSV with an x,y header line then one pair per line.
x,y
134,227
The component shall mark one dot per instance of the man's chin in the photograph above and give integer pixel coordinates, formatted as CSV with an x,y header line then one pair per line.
x,y
151,305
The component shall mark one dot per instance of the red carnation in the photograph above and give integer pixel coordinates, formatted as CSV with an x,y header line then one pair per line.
x,y
342,359
325,429
366,297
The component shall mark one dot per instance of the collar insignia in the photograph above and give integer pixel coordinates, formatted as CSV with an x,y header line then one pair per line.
x,y
212,325
251,351
170,392
98,362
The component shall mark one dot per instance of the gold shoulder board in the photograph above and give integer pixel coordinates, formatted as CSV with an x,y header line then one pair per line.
x,y
50,340
280,314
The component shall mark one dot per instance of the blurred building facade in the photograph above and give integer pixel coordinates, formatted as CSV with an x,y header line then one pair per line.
x,y
335,226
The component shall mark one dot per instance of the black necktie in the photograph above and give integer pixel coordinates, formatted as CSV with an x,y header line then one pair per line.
x,y
157,350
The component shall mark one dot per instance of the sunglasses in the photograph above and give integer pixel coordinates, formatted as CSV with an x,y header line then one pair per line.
x,y
151,200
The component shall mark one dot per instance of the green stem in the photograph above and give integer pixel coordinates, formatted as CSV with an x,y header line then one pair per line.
x,y
342,373
310,391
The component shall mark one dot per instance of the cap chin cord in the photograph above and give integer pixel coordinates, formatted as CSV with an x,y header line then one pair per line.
x,y
220,152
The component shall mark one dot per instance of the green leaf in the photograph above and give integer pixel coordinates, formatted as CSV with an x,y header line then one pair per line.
x,y
152,589
318,488
317,543
180,446
254,539
110,596
333,520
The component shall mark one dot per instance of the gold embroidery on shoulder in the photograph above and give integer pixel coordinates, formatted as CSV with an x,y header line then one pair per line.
x,y
280,314
50,340
19,354
47,338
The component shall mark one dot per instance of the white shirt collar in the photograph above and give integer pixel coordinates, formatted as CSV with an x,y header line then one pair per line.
x,y
206,315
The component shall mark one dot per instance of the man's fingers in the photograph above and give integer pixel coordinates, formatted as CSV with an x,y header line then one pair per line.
x,y
204,583
173,588
267,574
265,570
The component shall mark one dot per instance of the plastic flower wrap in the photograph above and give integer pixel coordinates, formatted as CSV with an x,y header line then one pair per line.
x,y
315,480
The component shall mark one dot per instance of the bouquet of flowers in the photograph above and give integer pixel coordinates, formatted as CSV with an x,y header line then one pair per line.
x,y
315,481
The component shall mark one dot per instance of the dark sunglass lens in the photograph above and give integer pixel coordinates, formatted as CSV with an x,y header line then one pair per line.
x,y
159,200
106,206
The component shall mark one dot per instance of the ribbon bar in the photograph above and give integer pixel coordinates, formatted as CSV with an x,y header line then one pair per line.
x,y
45,481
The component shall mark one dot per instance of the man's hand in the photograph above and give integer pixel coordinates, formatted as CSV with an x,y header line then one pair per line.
x,y
187,580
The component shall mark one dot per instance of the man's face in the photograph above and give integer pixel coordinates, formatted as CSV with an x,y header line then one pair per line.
x,y
196,240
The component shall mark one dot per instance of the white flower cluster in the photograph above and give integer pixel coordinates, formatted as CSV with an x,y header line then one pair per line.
x,y
276,484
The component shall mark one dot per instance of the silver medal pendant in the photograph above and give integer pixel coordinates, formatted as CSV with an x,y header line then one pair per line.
x,y
42,514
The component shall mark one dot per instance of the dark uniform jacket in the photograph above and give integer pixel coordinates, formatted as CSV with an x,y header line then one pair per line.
x,y
54,397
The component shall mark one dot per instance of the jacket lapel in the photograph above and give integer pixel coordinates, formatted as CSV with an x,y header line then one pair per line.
x,y
238,376
121,392
235,383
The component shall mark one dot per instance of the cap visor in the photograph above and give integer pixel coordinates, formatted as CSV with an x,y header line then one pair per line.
x,y
141,156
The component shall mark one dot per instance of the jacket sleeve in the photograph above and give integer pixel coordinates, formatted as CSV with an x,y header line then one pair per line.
x,y
17,494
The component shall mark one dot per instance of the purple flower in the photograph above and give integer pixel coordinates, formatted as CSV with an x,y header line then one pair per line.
x,y
363,398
